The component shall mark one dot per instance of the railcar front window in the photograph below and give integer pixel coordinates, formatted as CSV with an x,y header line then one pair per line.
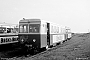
x,y
34,28
23,28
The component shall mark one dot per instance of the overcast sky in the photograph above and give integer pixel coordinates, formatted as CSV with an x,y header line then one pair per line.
x,y
72,13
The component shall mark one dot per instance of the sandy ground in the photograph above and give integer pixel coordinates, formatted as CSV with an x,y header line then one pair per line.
x,y
77,48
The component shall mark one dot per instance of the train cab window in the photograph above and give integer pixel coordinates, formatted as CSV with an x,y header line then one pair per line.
x,y
23,29
34,28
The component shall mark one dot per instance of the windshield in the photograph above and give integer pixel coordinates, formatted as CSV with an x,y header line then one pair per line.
x,y
23,28
34,28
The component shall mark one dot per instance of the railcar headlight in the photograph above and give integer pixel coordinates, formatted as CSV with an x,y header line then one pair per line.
x,y
34,40
22,40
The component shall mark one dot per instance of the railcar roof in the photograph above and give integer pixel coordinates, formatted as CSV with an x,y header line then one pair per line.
x,y
28,20
36,20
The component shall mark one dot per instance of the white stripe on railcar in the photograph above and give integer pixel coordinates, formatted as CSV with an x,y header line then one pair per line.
x,y
9,42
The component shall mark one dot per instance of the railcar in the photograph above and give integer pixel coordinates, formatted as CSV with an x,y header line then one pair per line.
x,y
8,38
8,35
37,33
67,32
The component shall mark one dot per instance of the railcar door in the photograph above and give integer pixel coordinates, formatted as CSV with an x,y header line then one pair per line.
x,y
48,34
